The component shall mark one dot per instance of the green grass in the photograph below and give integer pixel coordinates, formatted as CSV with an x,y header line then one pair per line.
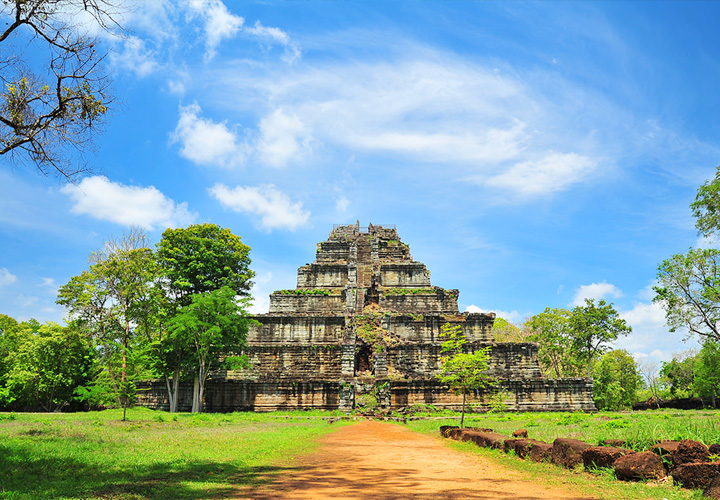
x,y
638,429
154,455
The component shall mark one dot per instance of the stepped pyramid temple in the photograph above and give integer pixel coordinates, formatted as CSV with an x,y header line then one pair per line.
x,y
363,325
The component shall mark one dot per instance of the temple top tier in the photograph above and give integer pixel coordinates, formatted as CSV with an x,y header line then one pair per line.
x,y
359,267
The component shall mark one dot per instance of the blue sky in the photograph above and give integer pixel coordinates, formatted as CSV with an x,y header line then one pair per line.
x,y
531,154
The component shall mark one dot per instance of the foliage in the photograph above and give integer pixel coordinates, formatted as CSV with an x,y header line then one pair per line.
x,y
707,372
616,381
593,327
43,368
202,258
679,374
50,111
689,291
408,291
706,207
304,291
462,371
552,330
212,325
504,331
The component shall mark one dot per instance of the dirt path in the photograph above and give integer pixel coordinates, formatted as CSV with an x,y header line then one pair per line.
x,y
374,460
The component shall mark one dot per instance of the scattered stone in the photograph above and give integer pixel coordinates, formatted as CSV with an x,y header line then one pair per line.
x,y
541,452
665,448
445,430
602,456
696,475
568,452
521,447
617,443
520,433
640,466
713,489
489,440
689,451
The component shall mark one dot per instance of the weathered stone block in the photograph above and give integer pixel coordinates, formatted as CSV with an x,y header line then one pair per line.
x,y
602,456
520,433
696,475
713,489
640,466
568,452
541,452
521,446
689,451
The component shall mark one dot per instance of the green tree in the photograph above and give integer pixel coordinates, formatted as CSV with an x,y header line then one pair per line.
x,y
679,374
111,299
202,258
707,372
51,110
593,327
616,380
462,371
47,367
706,207
689,291
552,331
215,325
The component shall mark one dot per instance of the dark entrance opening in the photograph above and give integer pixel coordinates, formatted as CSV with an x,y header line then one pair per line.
x,y
362,359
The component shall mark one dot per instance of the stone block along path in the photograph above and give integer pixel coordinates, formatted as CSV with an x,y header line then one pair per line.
x,y
386,461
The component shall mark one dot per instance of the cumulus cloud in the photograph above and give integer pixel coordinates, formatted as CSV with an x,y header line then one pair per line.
x,y
6,277
596,291
205,142
133,55
554,172
283,138
220,23
146,207
511,316
273,207
276,36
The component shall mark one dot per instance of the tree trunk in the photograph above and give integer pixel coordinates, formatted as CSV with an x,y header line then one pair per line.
x,y
196,395
462,416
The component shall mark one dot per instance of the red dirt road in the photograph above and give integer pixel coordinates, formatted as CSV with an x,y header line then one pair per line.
x,y
374,460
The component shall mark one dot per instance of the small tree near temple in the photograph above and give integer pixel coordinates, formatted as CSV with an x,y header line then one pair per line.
x,y
462,371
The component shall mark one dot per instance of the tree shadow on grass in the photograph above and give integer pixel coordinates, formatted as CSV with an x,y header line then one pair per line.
x,y
25,475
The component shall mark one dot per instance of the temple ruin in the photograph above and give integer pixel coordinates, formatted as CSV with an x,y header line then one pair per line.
x,y
362,326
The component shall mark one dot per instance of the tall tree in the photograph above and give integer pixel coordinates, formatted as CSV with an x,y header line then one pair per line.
x,y
52,110
689,291
462,371
616,381
215,326
202,258
706,207
707,372
552,331
593,327
111,298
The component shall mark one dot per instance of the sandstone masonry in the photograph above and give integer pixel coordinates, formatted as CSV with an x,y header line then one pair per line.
x,y
363,324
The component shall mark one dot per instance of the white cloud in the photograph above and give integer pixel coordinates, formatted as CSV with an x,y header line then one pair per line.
x,y
554,172
511,316
275,209
278,36
220,24
134,56
596,291
341,205
205,142
6,277
650,337
126,205
283,138
260,293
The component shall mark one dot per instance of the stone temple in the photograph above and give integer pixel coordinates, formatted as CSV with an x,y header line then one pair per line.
x,y
362,327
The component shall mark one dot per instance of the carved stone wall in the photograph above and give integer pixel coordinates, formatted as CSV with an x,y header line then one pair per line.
x,y
365,321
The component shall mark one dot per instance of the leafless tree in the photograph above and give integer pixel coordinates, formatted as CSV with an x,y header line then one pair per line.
x,y
51,107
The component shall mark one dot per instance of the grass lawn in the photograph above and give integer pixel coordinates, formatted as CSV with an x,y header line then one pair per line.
x,y
638,429
153,455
